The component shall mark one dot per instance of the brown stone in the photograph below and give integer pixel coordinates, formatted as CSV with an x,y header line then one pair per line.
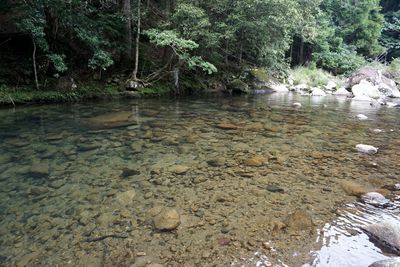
x,y
227,126
180,169
167,219
354,189
299,220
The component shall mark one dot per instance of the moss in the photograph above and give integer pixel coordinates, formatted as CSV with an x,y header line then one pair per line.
x,y
260,75
158,89
26,95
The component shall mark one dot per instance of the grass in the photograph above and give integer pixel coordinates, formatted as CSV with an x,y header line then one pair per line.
x,y
312,77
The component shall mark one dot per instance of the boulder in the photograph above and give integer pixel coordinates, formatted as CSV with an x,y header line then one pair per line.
x,y
367,149
279,88
383,82
331,85
238,87
317,92
366,88
393,262
367,73
66,84
385,235
342,91
168,219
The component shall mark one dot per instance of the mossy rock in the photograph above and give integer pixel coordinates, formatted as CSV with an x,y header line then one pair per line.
x,y
237,86
260,75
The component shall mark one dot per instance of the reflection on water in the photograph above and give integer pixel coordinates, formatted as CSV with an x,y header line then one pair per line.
x,y
87,185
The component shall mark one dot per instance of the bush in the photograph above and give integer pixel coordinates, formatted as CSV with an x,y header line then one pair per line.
x,y
312,76
343,61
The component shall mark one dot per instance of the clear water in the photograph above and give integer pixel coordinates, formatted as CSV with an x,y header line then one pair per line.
x,y
63,168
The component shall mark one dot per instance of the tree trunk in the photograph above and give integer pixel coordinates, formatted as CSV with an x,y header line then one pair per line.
x,y
137,42
34,64
127,13
301,52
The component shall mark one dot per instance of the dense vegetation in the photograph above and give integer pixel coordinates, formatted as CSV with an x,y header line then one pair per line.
x,y
147,43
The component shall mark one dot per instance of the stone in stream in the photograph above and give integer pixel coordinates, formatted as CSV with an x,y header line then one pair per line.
x,y
256,161
317,92
168,219
126,172
375,199
362,117
299,220
367,149
385,235
180,169
39,169
393,262
296,105
126,198
275,189
353,188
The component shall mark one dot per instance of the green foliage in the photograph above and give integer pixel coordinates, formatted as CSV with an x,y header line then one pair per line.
x,y
181,48
391,32
342,60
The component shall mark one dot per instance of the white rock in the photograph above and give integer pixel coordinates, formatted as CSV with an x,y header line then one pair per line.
x,y
279,88
296,105
397,186
377,130
366,88
375,198
330,85
362,117
395,93
392,104
366,149
317,92
362,98
342,91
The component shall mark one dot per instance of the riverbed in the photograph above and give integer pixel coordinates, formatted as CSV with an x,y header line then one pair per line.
x,y
249,181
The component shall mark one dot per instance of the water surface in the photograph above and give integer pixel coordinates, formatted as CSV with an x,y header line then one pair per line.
x,y
234,169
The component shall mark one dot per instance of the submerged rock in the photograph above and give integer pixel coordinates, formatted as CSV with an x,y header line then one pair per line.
x,y
393,262
256,161
367,149
353,188
114,119
275,189
299,220
126,198
40,169
180,169
167,219
385,235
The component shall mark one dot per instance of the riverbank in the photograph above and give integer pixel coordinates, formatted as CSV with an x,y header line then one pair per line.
x,y
11,96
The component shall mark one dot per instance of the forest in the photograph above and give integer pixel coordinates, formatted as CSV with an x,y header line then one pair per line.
x,y
185,46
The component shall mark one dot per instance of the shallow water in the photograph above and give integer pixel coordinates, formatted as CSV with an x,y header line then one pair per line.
x,y
63,169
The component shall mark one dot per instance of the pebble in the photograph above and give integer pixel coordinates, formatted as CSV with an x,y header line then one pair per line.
x,y
362,117
296,105
367,149
275,189
168,219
